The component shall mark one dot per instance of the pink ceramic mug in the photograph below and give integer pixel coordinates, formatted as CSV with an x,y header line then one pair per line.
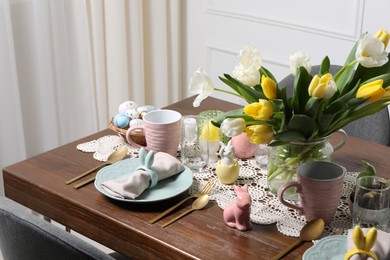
x,y
161,129
319,188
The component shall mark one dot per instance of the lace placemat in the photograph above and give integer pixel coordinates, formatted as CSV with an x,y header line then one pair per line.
x,y
104,146
266,208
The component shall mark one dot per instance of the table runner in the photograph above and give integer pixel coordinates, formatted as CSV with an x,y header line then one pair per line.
x,y
266,208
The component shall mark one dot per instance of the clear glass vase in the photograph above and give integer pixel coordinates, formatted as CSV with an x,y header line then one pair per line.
x,y
284,160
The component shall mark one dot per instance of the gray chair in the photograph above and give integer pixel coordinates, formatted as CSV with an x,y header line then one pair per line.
x,y
374,128
27,236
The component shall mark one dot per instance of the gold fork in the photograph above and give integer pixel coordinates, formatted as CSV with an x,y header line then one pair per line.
x,y
204,191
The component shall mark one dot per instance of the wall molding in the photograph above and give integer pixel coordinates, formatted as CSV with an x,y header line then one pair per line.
x,y
350,35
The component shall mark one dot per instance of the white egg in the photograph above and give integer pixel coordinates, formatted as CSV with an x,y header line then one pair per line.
x,y
136,122
127,105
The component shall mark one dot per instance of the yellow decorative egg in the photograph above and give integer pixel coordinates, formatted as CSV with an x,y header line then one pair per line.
x,y
227,174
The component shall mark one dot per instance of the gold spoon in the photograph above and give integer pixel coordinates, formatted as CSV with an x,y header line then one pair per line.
x,y
114,157
199,203
312,230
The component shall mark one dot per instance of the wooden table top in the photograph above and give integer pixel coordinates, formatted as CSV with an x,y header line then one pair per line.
x,y
38,183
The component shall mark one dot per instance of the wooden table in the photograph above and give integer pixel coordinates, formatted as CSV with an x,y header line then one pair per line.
x,y
38,183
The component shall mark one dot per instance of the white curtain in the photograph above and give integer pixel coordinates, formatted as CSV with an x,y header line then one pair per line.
x,y
66,65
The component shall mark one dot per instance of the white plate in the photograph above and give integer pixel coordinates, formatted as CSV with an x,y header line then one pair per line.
x,y
331,247
164,189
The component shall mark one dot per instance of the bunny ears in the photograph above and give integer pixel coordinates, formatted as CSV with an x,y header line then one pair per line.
x,y
363,243
147,160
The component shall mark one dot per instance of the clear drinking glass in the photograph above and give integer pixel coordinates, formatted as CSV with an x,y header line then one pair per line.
x,y
371,203
194,149
261,155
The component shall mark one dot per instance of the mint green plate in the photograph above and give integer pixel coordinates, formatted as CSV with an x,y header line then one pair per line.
x,y
331,247
164,189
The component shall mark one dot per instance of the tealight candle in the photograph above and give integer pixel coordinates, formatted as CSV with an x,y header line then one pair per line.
x,y
190,128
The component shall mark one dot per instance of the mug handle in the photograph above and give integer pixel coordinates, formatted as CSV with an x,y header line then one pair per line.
x,y
128,135
283,188
342,141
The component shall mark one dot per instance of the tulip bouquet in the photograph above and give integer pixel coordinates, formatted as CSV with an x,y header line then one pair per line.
x,y
320,105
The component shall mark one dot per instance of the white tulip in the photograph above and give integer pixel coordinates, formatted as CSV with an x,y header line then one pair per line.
x,y
249,63
233,126
200,84
247,75
300,59
371,52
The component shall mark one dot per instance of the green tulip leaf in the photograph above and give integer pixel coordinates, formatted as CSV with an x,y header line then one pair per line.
x,y
338,122
288,137
248,93
277,104
258,88
355,102
232,113
267,73
350,116
343,76
280,118
341,101
301,83
325,121
368,110
325,65
352,53
312,107
336,107
302,124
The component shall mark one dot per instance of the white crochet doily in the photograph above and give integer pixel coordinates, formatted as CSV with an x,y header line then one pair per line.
x,y
266,208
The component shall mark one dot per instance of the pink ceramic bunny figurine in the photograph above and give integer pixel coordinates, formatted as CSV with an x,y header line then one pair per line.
x,y
236,215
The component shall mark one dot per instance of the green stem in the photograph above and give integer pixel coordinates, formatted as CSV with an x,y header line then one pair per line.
x,y
227,91
272,175
291,161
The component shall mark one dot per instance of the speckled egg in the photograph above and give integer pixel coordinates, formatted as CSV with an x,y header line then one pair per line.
x,y
145,109
132,113
136,122
127,105
121,121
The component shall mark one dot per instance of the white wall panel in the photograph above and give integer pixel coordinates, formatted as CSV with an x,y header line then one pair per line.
x,y
217,29
305,15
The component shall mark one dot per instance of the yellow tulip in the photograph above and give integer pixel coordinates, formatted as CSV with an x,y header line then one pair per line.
x,y
323,87
210,133
383,36
269,87
372,90
260,134
261,110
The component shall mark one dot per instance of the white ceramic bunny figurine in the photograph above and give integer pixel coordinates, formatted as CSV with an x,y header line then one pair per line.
x,y
227,168
237,214
227,154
